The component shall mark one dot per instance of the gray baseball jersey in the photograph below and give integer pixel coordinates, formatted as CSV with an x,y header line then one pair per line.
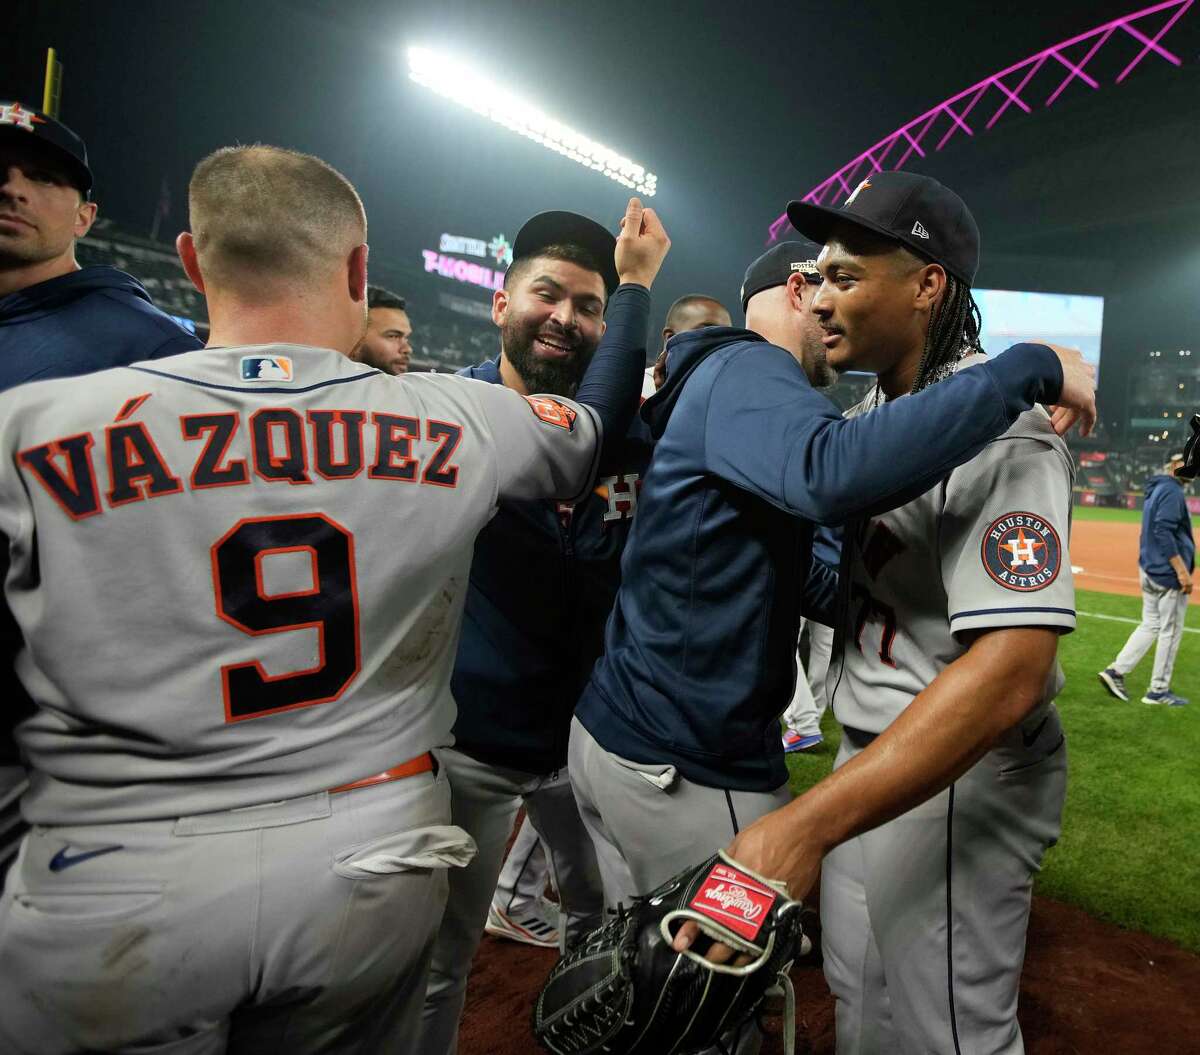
x,y
986,548
925,916
239,572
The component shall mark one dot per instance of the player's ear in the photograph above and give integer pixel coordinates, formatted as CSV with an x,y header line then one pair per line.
x,y
796,284
499,306
85,216
931,284
356,273
185,246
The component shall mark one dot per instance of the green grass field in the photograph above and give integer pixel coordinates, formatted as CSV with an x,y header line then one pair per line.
x,y
1130,848
1123,516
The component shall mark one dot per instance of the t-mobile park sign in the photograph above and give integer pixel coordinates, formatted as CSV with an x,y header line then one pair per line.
x,y
497,252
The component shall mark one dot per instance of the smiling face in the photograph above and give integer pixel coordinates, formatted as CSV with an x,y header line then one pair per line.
x,y
551,318
874,302
41,211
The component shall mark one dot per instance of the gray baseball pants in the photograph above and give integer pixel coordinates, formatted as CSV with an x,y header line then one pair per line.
x,y
924,918
297,927
1163,613
484,801
648,823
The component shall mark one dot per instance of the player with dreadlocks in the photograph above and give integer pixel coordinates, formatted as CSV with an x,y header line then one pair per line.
x,y
950,779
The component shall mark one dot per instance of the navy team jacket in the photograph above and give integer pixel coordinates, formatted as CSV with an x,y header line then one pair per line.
x,y
543,580
698,660
87,320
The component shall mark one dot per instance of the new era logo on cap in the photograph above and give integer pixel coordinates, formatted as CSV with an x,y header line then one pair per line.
x,y
920,231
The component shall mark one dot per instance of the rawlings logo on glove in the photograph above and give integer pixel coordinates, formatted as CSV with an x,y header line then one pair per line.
x,y
623,988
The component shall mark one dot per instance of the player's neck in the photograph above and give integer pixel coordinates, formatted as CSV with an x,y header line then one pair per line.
x,y
899,380
22,276
510,377
235,324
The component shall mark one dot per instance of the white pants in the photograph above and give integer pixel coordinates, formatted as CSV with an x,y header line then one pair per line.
x,y
302,926
1163,613
924,918
526,870
484,801
809,700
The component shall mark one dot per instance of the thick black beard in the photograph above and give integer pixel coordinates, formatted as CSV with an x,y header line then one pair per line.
x,y
542,375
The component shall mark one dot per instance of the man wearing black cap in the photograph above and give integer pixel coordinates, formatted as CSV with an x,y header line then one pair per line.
x,y
57,319
950,780
543,578
675,746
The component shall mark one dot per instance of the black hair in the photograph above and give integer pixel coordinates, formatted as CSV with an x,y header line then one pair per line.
x,y
953,332
378,297
571,254
686,301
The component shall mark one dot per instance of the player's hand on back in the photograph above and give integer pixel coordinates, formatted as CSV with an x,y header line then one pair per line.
x,y
642,244
1078,399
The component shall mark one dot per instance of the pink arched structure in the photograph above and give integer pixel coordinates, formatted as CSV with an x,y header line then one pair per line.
x,y
1000,90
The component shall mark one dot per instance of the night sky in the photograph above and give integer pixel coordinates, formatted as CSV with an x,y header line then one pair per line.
x,y
736,106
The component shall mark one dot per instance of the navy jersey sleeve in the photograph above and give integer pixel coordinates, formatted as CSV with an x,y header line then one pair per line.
x,y
1170,516
819,600
769,432
612,384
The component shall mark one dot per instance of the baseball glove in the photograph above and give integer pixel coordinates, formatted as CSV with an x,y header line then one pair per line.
x,y
624,989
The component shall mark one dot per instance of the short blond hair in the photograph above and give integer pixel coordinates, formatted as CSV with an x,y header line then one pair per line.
x,y
262,213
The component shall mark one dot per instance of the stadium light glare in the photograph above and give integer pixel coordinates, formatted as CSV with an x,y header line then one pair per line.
x,y
460,83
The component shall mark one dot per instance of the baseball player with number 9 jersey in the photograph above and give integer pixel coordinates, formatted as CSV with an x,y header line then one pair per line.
x,y
239,574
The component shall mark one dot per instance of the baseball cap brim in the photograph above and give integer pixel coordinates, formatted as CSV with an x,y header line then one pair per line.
x,y
818,221
569,228
81,175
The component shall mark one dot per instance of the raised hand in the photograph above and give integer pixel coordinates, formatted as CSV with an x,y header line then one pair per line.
x,y
642,245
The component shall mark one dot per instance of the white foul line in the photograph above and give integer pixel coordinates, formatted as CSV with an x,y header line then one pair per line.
x,y
1124,619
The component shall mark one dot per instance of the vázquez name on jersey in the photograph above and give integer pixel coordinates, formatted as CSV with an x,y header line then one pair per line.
x,y
277,445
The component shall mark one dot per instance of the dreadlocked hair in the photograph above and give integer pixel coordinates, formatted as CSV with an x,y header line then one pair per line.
x,y
953,333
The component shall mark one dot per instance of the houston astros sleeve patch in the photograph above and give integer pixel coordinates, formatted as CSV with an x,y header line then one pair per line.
x,y
552,412
1022,551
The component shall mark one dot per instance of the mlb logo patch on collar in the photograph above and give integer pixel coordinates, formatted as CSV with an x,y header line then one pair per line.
x,y
267,368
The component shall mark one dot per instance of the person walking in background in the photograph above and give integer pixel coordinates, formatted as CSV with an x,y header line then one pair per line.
x,y
1166,560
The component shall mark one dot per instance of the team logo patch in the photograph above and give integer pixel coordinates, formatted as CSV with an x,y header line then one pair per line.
x,y
734,900
552,412
267,368
1021,551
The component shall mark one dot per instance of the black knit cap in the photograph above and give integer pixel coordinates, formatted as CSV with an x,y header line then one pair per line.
x,y
916,211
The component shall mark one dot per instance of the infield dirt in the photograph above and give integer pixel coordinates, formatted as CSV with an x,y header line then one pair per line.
x,y
1089,988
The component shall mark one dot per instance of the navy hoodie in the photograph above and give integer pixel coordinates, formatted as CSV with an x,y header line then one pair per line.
x,y
86,320
543,579
1166,531
80,322
698,660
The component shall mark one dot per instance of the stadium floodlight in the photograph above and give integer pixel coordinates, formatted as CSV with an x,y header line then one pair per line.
x,y
460,83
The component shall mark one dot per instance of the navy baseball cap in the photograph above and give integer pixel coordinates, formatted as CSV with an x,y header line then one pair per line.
x,y
916,211
16,120
778,264
569,228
